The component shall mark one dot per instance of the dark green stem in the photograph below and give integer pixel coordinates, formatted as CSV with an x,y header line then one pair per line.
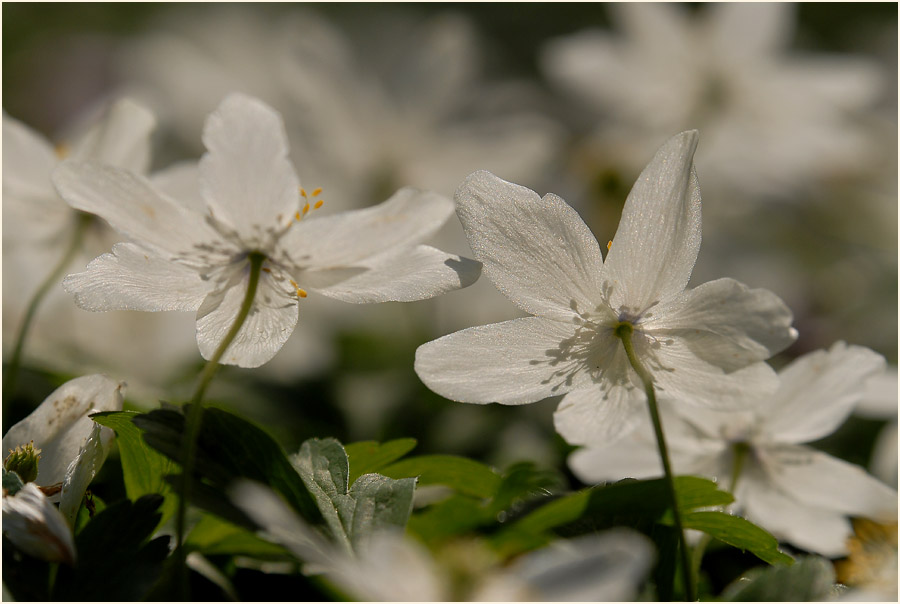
x,y
195,411
12,370
624,332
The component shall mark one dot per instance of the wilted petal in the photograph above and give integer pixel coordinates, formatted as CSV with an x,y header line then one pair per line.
x,y
268,325
83,469
349,238
726,323
247,179
818,392
658,238
60,426
820,480
407,275
537,251
514,362
131,279
36,526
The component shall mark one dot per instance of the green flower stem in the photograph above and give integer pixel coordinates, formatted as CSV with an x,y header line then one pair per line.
x,y
624,331
195,411
739,452
12,371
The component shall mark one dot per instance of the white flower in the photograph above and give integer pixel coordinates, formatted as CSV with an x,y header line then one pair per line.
x,y
72,446
36,526
797,493
696,343
772,119
390,567
880,402
189,256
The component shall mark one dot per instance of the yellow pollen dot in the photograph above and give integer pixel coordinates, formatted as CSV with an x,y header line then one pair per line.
x,y
609,245
318,204
297,215
317,192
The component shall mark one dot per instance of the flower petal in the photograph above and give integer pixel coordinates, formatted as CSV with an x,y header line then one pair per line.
x,y
630,457
514,362
60,426
36,526
537,251
121,138
725,323
599,413
131,279
683,377
246,176
814,529
268,325
772,31
658,238
27,164
818,391
411,274
130,204
349,238
83,469
820,480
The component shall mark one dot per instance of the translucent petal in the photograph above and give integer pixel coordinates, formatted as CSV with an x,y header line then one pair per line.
x,y
599,413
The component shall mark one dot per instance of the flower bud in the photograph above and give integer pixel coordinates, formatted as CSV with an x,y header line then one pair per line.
x,y
23,460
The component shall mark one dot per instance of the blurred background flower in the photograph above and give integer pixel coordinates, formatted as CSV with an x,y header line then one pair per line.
x,y
797,161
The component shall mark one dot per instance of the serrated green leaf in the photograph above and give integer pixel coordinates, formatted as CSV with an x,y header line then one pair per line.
x,y
373,503
213,536
810,579
370,456
459,473
738,532
143,468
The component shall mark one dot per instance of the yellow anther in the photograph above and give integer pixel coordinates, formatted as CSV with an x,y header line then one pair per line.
x,y
317,192
297,215
318,204
61,150
301,293
305,209
303,192
609,245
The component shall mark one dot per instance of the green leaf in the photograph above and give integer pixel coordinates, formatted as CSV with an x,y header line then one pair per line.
x,y
143,468
373,503
213,536
453,516
459,473
370,456
229,447
115,560
810,579
738,532
12,484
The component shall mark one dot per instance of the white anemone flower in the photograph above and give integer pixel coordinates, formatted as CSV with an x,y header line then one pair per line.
x,y
388,566
700,345
73,446
188,256
797,493
773,119
34,525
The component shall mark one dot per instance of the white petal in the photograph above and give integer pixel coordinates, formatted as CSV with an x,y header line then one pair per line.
x,y
537,251
181,181
412,274
823,481
726,323
818,391
631,457
682,377
348,238
268,325
121,138
28,161
133,279
599,413
60,426
658,238
820,531
36,526
247,179
514,362
772,31
83,469
130,204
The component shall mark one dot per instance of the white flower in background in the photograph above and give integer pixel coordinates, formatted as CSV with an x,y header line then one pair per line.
x,y
701,345
72,446
36,526
38,227
879,401
190,257
772,118
797,493
387,566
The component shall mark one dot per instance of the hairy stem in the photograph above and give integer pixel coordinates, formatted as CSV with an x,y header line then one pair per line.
x,y
624,332
12,370
195,411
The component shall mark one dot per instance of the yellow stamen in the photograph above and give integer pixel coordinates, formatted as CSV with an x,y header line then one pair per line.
x,y
303,192
609,245
306,209
317,192
301,293
318,204
297,215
